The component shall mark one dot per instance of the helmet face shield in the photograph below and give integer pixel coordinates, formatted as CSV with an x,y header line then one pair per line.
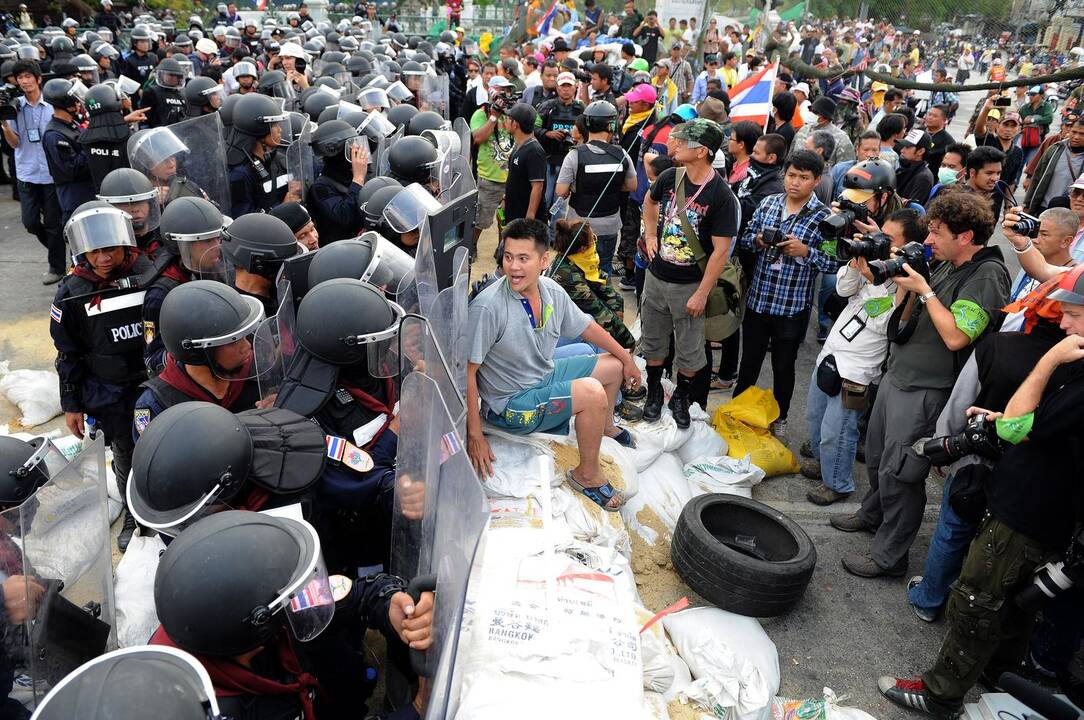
x,y
398,92
360,143
374,98
408,210
307,600
247,352
389,264
155,153
97,228
174,521
376,126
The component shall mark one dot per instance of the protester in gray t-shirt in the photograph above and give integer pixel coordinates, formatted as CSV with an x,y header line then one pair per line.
x,y
513,380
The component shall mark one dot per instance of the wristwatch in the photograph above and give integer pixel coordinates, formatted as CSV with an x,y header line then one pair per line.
x,y
925,297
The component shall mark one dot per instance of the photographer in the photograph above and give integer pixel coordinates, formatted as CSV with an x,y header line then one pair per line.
x,y
1033,498
852,356
1050,234
494,148
938,315
37,193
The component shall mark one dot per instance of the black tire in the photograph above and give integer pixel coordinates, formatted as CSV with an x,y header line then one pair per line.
x,y
764,579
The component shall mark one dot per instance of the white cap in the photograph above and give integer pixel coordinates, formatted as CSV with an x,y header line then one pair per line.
x,y
498,81
292,49
207,46
803,87
566,78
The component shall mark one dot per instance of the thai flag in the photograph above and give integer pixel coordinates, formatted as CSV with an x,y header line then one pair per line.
x,y
336,446
261,4
751,99
543,26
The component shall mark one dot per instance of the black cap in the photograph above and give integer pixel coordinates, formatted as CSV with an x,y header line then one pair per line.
x,y
524,114
293,214
824,106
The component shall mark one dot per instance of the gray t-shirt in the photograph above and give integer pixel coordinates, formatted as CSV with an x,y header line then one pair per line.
x,y
513,355
608,224
924,361
1066,164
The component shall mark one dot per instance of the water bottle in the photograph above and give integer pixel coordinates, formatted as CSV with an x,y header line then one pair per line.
x,y
91,426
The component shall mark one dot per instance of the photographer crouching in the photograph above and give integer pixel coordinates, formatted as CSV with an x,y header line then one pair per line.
x,y
940,312
1034,514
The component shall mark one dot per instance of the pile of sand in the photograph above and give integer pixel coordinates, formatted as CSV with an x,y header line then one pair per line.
x,y
678,711
657,582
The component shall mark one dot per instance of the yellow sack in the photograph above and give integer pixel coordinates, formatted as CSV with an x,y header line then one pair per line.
x,y
764,449
755,407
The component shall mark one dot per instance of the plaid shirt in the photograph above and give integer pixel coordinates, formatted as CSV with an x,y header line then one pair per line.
x,y
783,285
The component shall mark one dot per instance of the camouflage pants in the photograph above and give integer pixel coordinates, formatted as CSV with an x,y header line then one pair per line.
x,y
986,628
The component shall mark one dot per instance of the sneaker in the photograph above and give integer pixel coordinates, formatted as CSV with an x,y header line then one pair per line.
x,y
718,384
865,566
779,429
811,468
50,277
627,283
679,406
914,695
618,271
921,613
850,523
653,406
823,495
806,450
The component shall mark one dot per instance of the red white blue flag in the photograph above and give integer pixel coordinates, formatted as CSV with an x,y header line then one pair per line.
x,y
751,99
543,26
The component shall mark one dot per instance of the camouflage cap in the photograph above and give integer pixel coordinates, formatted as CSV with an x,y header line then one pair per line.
x,y
700,133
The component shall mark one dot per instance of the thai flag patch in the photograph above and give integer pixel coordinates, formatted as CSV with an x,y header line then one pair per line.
x,y
55,313
316,593
449,445
336,446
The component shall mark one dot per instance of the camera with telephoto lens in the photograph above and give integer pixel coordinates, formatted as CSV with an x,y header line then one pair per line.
x,y
1027,225
504,100
872,246
9,95
913,254
838,224
1054,578
979,437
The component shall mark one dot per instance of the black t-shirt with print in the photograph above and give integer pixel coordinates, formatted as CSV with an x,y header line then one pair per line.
x,y
714,213
526,165
648,39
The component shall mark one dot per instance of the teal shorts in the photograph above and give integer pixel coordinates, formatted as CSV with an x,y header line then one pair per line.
x,y
547,407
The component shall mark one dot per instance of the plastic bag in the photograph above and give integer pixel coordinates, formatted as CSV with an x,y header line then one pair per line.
x,y
755,407
134,590
723,474
822,708
509,478
733,662
664,489
760,446
664,670
35,392
703,442
663,433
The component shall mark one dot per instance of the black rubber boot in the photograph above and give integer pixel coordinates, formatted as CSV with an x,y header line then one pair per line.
x,y
126,531
679,402
653,406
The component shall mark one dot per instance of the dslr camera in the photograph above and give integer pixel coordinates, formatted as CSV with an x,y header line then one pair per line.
x,y
913,254
871,246
504,100
838,224
979,437
1054,578
1027,225
9,94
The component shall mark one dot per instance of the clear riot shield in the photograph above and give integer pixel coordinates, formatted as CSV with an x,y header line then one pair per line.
x,y
439,521
433,95
384,167
454,175
185,159
300,165
54,548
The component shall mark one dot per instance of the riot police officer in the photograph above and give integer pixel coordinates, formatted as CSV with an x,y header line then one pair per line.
x,y
202,96
256,245
332,199
413,159
207,328
191,230
243,637
138,63
106,136
371,257
244,74
98,332
67,159
130,191
426,120
342,376
297,217
125,682
258,129
164,98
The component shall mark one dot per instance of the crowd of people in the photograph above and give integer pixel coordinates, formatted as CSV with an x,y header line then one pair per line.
x,y
175,174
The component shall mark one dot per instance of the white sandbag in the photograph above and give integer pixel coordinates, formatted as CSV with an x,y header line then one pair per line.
x,y
665,490
35,392
548,636
664,670
723,474
703,442
824,708
134,590
514,468
663,433
590,523
654,707
733,662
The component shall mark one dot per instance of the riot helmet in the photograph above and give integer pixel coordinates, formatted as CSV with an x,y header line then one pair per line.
x,y
274,84
170,74
124,683
226,585
130,191
401,115
372,206
426,120
358,66
406,212
202,93
259,116
370,187
412,159
374,98
87,67
225,113
97,225
601,116
259,243
158,153
192,229
64,94
271,449
315,103
371,258
105,98
875,176
334,138
23,468
209,323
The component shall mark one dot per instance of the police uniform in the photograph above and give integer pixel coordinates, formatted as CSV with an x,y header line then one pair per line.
x,y
97,329
138,66
254,185
68,164
172,275
333,204
107,149
166,105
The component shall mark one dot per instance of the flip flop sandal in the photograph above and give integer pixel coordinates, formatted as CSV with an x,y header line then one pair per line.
x,y
624,437
599,495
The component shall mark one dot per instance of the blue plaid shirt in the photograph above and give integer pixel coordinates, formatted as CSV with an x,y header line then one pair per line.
x,y
783,285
